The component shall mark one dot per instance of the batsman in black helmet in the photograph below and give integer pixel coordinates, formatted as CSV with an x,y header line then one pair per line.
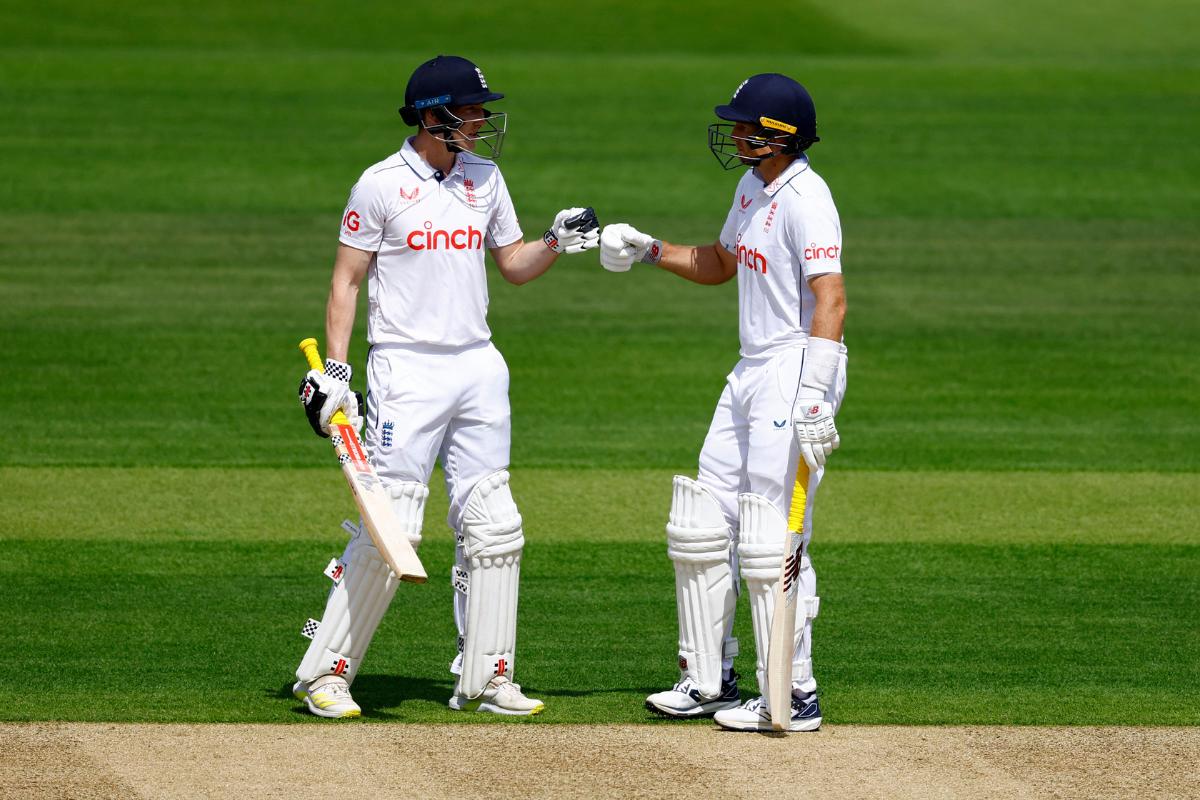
x,y
750,506
416,228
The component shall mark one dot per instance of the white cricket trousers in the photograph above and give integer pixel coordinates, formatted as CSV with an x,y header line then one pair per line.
x,y
750,447
433,403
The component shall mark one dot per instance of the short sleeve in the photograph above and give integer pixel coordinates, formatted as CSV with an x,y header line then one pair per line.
x,y
729,229
365,215
503,228
818,241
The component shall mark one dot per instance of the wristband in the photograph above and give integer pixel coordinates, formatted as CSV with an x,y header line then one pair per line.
x,y
338,370
653,253
820,365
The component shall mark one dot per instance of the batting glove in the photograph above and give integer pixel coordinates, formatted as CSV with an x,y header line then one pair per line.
x,y
573,231
621,245
323,393
816,434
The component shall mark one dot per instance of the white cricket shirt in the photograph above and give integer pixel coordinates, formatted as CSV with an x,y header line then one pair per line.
x,y
426,283
783,234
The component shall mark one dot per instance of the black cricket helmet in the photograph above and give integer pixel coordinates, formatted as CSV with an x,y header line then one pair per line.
x,y
782,109
447,81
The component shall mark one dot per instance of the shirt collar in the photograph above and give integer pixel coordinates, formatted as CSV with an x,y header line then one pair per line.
x,y
785,177
420,165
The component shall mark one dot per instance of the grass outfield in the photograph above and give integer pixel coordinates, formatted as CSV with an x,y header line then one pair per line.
x,y
932,612
1008,534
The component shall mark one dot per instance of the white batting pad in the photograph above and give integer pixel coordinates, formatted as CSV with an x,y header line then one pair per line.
x,y
408,501
698,543
492,544
763,535
352,613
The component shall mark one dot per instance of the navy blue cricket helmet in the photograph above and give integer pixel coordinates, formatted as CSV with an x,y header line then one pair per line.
x,y
782,109
446,81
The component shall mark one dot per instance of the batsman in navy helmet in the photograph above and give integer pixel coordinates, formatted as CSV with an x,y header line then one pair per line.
x,y
771,114
773,427
416,229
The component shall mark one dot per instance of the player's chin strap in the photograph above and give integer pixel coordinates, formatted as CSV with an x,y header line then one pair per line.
x,y
447,122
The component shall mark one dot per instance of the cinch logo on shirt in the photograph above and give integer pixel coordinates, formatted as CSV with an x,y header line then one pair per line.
x,y
469,238
814,253
750,257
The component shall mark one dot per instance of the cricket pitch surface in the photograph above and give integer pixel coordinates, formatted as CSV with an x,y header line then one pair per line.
x,y
352,760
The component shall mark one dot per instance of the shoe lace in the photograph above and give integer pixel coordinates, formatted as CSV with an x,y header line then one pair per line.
x,y
505,686
685,685
756,704
336,687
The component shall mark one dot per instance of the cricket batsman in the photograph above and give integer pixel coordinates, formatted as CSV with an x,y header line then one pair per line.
x,y
783,240
416,227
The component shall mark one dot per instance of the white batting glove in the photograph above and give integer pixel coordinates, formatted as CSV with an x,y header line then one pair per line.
x,y
816,434
573,231
621,245
323,393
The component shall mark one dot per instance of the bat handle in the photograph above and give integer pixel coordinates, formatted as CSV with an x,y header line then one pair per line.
x,y
799,498
313,356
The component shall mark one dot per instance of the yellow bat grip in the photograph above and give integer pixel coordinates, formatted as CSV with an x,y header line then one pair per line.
x,y
799,498
309,348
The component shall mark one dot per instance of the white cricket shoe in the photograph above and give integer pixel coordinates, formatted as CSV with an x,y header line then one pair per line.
x,y
501,696
754,716
685,700
327,696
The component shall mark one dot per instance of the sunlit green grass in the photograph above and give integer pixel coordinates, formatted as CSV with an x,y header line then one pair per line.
x,y
146,588
1008,534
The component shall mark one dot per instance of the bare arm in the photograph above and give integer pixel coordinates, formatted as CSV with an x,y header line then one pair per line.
x,y
521,262
829,315
349,269
708,264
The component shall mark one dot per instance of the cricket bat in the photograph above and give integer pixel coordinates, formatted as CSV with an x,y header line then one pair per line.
x,y
783,622
372,498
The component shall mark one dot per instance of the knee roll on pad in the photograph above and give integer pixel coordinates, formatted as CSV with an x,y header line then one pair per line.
x,y
698,542
408,502
352,613
492,545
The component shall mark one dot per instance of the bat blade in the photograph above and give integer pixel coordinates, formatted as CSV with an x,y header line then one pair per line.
x,y
783,621
375,506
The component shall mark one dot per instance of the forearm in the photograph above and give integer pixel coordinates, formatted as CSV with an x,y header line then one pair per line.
x,y
527,261
696,264
829,310
829,319
339,318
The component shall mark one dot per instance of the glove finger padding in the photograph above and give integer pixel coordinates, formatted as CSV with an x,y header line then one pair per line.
x,y
810,457
585,221
322,396
586,241
816,433
616,254
573,231
353,410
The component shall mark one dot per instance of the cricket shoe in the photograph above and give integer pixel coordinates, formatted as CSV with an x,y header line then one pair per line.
x,y
754,716
327,696
501,696
685,700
